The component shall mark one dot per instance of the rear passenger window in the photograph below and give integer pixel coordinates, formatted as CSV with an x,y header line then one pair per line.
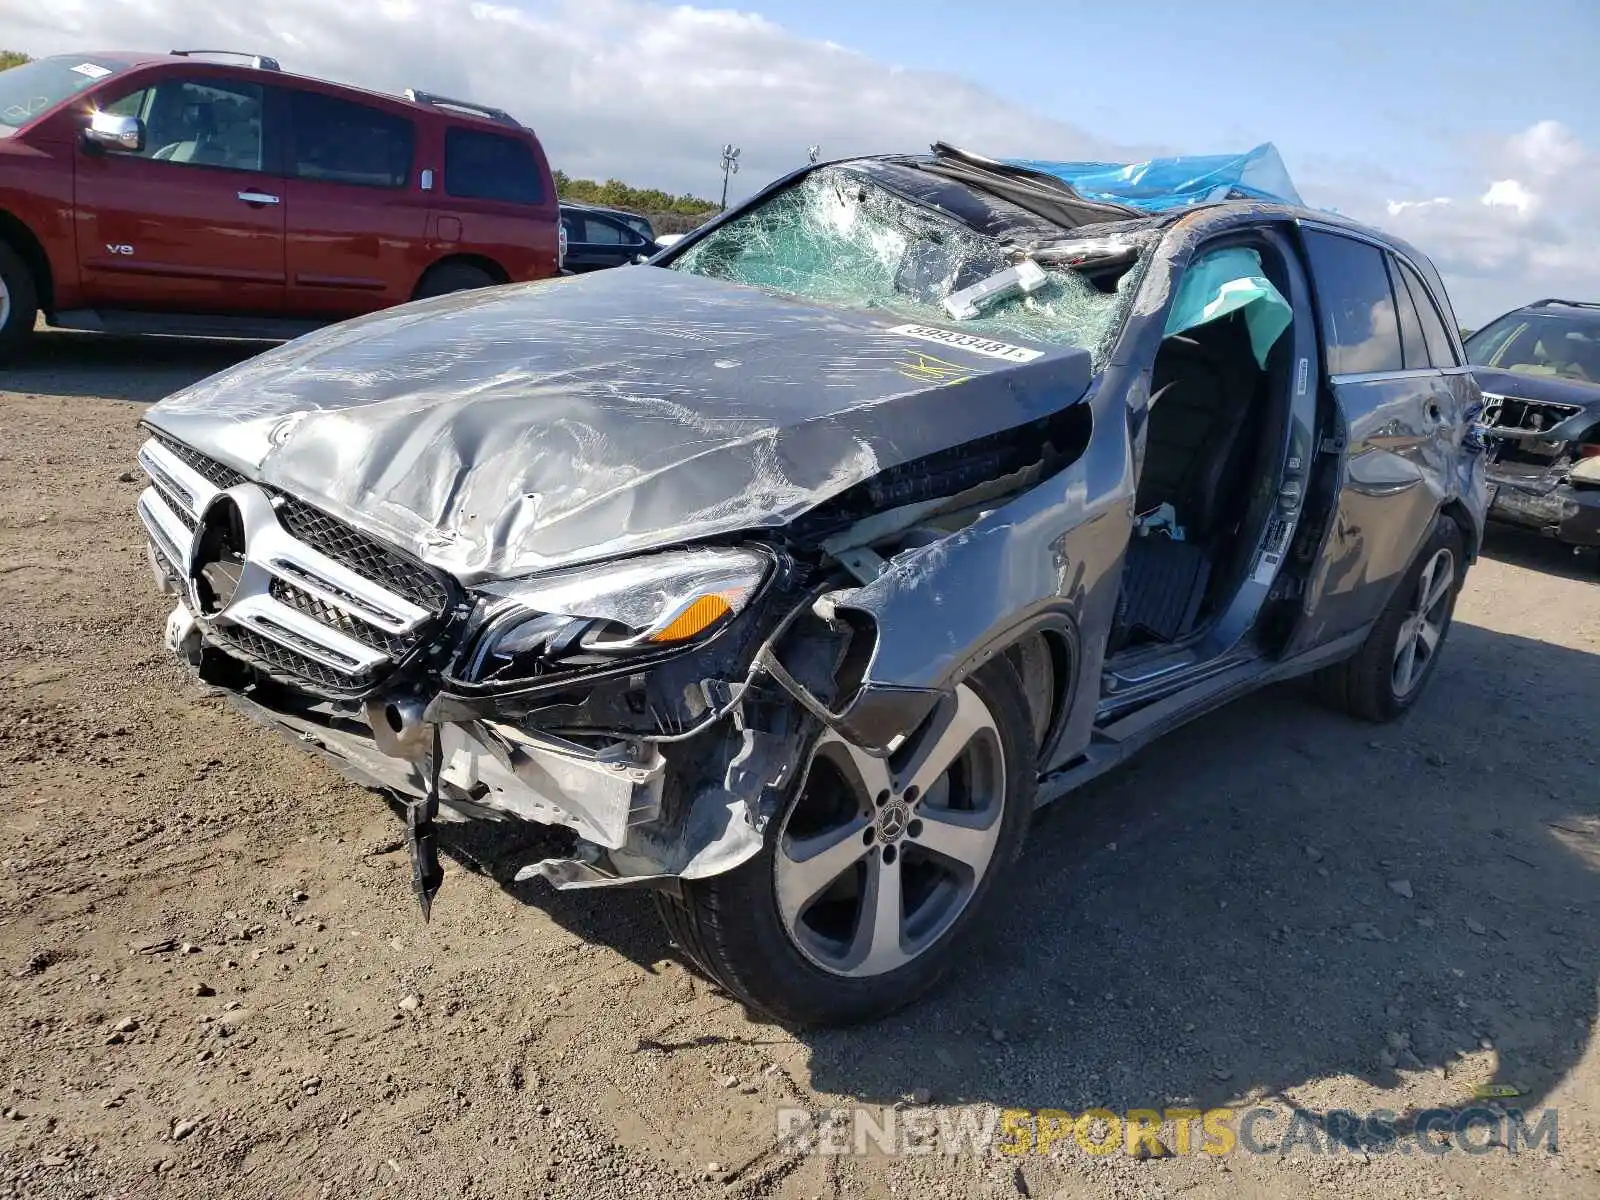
x,y
1358,316
601,232
487,166
1412,342
1440,347
339,142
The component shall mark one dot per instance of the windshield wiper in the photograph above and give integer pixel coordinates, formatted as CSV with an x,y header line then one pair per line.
x,y
1043,195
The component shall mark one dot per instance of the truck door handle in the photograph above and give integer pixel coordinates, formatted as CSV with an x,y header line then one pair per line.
x,y
258,198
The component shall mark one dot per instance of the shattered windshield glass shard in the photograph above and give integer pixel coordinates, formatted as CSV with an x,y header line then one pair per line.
x,y
837,239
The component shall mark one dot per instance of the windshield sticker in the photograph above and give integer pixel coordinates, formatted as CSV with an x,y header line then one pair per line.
x,y
925,368
92,70
969,341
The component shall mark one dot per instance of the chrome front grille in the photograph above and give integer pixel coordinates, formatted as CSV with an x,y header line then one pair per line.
x,y
369,558
219,476
316,602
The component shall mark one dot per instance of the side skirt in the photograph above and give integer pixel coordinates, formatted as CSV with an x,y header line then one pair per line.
x,y
1116,741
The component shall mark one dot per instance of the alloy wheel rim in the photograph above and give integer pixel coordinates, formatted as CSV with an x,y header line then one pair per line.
x,y
1424,623
5,303
878,858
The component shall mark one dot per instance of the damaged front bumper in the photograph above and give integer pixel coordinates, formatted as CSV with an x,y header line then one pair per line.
x,y
1558,501
641,812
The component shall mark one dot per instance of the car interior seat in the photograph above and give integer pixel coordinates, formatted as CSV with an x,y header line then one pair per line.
x,y
1200,447
1204,385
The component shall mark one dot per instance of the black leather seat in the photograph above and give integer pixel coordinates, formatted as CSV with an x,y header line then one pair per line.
x,y
1204,386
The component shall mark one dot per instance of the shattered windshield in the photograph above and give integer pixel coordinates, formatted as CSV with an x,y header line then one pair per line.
x,y
838,239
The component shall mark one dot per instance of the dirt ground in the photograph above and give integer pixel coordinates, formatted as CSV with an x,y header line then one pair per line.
x,y
214,981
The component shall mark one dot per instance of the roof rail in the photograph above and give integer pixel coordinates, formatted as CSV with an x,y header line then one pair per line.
x,y
1566,303
259,61
498,115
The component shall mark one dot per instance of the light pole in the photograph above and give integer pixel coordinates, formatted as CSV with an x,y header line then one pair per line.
x,y
730,166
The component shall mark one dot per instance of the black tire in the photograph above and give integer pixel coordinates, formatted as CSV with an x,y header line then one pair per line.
x,y
449,277
1367,685
19,302
731,927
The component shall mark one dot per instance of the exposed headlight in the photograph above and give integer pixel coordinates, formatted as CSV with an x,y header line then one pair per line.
x,y
590,615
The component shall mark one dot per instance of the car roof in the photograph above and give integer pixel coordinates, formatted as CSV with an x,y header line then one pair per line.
x,y
1567,308
580,206
148,58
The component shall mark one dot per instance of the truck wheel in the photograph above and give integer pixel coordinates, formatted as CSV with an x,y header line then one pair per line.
x,y
876,872
1388,673
449,277
19,302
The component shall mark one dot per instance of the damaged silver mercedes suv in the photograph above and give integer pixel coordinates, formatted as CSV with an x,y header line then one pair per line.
x,y
787,574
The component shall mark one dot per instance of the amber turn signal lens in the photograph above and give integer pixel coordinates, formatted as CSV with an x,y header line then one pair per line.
x,y
701,615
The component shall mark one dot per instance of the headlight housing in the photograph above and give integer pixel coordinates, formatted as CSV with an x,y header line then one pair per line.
x,y
591,616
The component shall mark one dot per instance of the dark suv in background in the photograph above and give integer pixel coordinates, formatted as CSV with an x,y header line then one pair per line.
x,y
1539,368
150,193
604,237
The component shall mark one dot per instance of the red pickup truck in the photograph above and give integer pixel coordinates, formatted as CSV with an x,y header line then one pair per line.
x,y
177,193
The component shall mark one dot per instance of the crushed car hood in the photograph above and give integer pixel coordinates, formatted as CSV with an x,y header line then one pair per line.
x,y
504,432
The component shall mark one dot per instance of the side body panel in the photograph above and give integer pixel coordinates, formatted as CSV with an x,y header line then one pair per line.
x,y
348,252
172,238
1049,560
1392,484
36,200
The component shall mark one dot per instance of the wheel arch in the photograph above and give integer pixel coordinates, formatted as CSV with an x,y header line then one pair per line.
x,y
481,261
32,252
1471,531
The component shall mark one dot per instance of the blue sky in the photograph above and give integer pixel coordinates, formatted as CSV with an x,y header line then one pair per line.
x,y
1407,86
1471,129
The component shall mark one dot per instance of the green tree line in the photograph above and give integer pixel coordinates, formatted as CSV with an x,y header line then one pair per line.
x,y
613,193
12,58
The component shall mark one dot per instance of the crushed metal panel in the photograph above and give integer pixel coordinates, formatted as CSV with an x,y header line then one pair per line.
x,y
503,432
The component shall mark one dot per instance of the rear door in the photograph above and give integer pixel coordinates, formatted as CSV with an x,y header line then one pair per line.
x,y
193,222
1396,415
595,241
355,218
498,200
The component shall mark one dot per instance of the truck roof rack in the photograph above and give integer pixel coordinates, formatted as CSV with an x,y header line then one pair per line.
x,y
498,115
1565,303
259,61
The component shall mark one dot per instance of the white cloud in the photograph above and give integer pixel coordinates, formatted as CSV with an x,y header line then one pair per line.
x,y
649,93
619,88
1508,193
1395,207
1523,227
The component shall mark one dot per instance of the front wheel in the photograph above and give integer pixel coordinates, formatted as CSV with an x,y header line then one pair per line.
x,y
1388,673
19,301
876,871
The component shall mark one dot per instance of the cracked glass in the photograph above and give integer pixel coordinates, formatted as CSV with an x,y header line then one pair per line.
x,y
838,239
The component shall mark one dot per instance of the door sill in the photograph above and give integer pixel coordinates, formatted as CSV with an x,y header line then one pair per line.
x,y
128,322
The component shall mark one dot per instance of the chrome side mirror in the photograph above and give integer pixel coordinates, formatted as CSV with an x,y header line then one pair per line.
x,y
115,132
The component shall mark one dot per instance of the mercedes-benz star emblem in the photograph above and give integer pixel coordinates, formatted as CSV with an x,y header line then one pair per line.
x,y
218,559
892,820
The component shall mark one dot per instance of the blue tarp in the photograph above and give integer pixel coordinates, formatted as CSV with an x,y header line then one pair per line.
x,y
1163,183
